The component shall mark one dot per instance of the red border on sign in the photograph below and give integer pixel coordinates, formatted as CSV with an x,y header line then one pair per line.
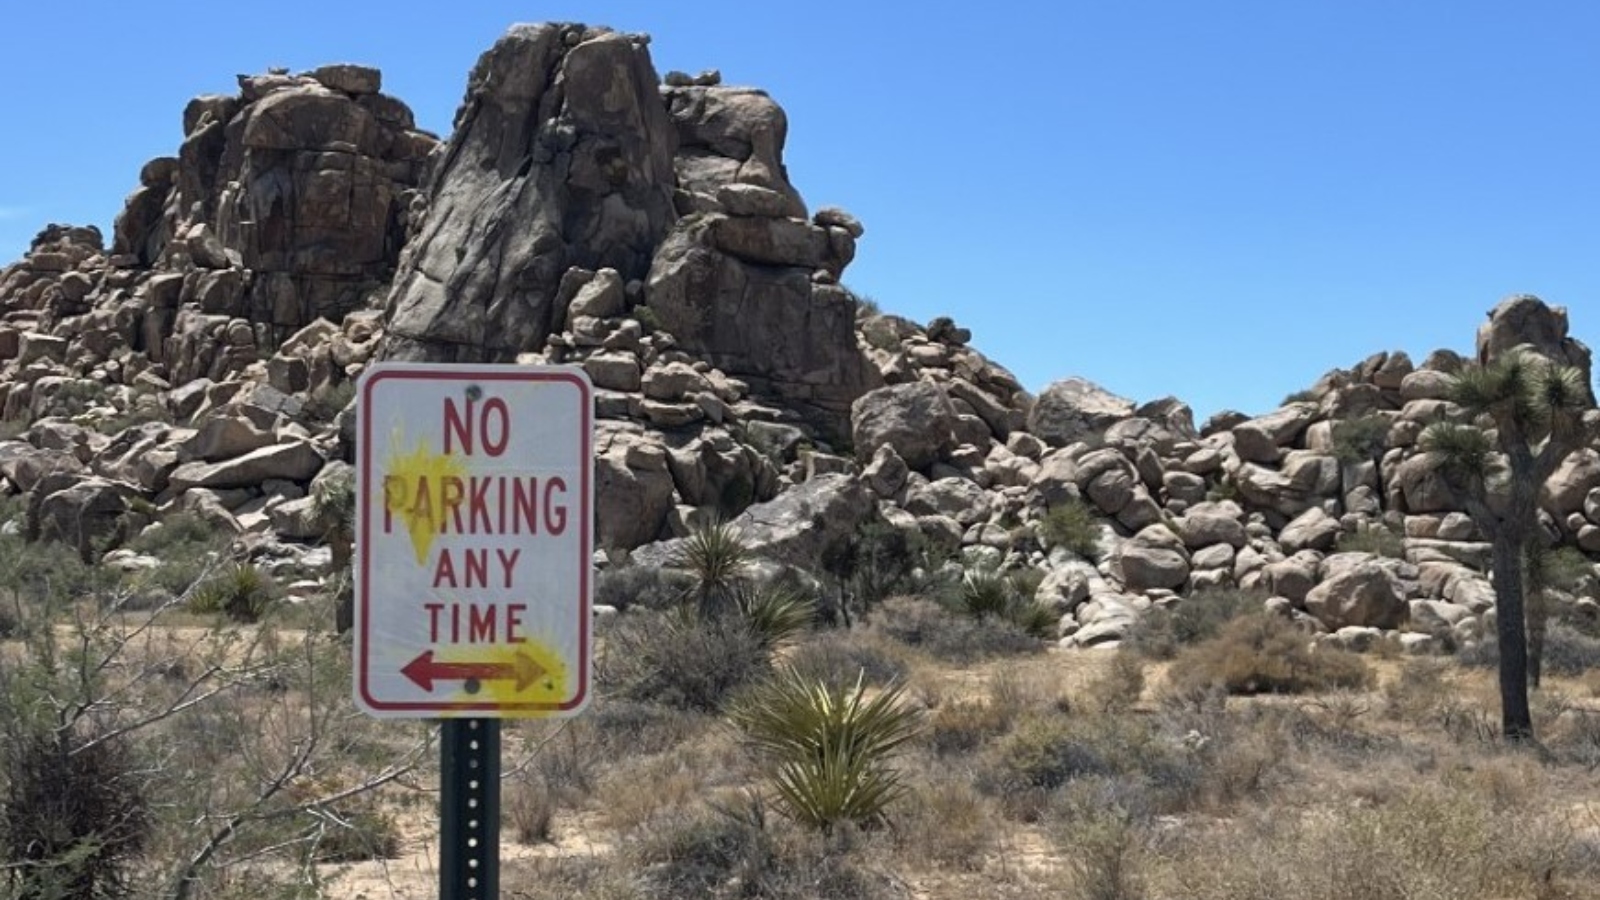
x,y
508,372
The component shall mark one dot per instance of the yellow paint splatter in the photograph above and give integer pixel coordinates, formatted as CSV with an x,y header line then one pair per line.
x,y
550,687
413,490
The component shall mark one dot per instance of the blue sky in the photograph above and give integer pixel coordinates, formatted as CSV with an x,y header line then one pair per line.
x,y
1219,200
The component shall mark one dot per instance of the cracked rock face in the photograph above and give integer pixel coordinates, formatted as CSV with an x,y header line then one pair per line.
x,y
569,159
287,202
561,158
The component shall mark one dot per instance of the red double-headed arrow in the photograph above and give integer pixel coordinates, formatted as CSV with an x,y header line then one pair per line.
x,y
425,670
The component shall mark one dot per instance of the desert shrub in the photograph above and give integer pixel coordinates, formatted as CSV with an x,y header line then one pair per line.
x,y
987,594
946,822
1266,654
1308,395
1379,540
1416,691
1360,439
362,832
883,561
737,853
48,573
830,747
717,559
679,660
1161,633
962,726
650,587
565,877
838,658
187,546
1073,525
1120,686
1425,841
240,592
1098,824
73,812
929,627
623,727
1567,651
1044,754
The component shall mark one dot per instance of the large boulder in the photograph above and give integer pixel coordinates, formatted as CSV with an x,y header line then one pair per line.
x,y
915,419
813,521
1074,409
561,157
1572,481
1364,593
1522,319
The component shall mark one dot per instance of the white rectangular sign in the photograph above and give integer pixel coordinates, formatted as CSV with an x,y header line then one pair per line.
x,y
474,538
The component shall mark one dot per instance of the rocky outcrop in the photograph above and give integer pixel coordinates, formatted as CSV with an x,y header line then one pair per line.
x,y
561,157
285,204
584,214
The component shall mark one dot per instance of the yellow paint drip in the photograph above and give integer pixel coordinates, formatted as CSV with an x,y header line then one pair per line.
x,y
414,490
551,688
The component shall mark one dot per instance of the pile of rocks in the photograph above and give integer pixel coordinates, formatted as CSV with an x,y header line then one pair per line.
x,y
584,212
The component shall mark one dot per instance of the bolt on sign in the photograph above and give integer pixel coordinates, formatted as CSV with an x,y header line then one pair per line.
x,y
474,540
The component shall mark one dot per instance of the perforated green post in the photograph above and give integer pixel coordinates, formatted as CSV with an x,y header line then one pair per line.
x,y
469,832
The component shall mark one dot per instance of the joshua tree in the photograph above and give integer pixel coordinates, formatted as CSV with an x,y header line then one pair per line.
x,y
1537,412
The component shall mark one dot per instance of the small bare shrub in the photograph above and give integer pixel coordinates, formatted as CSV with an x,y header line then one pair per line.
x,y
1265,654
927,626
946,823
651,587
1161,633
1119,688
1378,540
839,657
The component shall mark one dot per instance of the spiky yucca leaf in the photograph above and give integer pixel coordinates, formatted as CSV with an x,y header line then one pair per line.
x,y
1035,619
775,612
830,746
716,556
985,593
1465,453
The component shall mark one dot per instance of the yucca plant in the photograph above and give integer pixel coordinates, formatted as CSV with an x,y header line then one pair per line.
x,y
776,612
716,556
830,746
985,593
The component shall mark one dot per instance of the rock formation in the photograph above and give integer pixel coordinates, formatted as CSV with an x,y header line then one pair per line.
x,y
584,212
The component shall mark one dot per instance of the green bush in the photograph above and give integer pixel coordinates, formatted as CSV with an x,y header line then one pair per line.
x,y
830,746
1046,753
241,592
1073,525
1265,654
1161,633
987,594
1379,540
1361,439
677,659
726,853
1567,651
838,657
647,586
954,638
74,814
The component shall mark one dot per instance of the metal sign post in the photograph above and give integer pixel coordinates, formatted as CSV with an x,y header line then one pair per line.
x,y
469,828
